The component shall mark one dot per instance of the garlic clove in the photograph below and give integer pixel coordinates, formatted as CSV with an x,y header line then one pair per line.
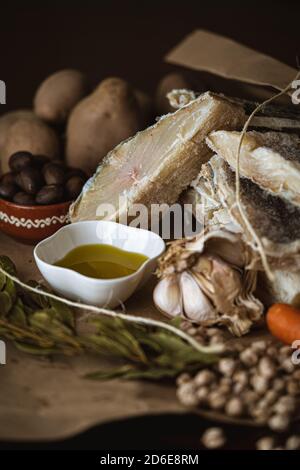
x,y
218,280
205,284
167,296
196,305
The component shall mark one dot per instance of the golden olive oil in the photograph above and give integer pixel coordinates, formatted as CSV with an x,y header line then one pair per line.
x,y
102,261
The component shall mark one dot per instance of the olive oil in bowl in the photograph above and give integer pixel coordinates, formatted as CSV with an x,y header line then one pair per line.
x,y
101,261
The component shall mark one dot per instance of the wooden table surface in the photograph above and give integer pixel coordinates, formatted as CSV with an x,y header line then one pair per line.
x,y
129,39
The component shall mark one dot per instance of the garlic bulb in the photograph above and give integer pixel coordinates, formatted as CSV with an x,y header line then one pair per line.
x,y
205,281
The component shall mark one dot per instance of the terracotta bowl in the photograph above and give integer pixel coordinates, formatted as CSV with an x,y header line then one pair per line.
x,y
31,224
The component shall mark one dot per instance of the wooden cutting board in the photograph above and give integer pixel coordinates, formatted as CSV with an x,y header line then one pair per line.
x,y
47,399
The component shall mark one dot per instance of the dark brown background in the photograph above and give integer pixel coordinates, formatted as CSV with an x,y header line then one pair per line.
x,y
127,38
130,39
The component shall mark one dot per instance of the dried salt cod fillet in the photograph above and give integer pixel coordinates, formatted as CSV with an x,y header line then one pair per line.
x,y
270,117
285,288
284,118
271,160
271,218
207,206
158,163
275,221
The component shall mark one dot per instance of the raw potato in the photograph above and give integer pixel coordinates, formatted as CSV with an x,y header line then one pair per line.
x,y
58,94
10,118
168,83
99,122
31,135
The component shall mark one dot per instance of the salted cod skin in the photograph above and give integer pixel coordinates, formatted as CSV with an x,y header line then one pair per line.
x,y
275,221
271,159
157,164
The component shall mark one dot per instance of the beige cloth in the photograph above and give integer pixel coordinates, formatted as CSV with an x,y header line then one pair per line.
x,y
210,52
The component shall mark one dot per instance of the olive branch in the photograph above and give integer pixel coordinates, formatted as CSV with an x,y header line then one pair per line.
x,y
40,324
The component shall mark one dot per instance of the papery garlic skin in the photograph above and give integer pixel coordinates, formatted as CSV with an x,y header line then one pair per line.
x,y
180,97
209,289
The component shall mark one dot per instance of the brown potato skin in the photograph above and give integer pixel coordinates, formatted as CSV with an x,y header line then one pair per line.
x,y
8,119
100,121
32,135
58,94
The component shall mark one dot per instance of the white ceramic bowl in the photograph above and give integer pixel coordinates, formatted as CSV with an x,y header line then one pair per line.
x,y
101,292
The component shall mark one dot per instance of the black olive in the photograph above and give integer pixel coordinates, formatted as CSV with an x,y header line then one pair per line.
x,y
50,194
8,178
76,172
40,160
20,160
54,173
74,187
24,199
8,190
30,180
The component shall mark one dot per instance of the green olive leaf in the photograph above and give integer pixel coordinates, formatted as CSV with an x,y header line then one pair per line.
x,y
2,281
108,346
42,326
17,314
10,288
110,374
6,303
36,300
64,313
35,350
46,321
7,264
